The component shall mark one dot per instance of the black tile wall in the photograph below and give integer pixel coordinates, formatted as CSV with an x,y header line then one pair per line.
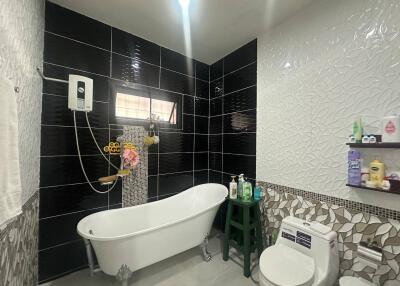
x,y
216,70
55,112
175,162
64,259
175,142
215,143
76,44
215,139
216,106
174,183
233,118
202,106
188,104
200,177
216,161
240,122
201,161
201,143
152,182
129,45
174,61
65,52
201,124
202,71
61,229
59,140
70,198
177,82
241,78
202,89
241,57
240,144
216,88
133,70
240,100
79,27
100,83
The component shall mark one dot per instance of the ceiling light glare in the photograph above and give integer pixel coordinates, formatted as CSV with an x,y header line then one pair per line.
x,y
184,3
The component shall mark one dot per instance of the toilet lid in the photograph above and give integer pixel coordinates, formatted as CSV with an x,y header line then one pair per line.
x,y
353,281
282,265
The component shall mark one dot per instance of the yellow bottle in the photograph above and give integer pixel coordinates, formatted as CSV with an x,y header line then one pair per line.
x,y
377,172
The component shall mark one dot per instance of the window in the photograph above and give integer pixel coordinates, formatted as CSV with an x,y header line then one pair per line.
x,y
144,108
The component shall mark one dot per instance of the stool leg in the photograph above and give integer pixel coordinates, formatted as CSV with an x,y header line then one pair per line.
x,y
246,240
260,246
227,231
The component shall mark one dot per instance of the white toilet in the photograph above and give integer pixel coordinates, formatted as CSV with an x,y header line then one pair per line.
x,y
305,254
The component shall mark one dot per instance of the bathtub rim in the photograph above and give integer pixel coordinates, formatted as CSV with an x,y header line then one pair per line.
x,y
140,232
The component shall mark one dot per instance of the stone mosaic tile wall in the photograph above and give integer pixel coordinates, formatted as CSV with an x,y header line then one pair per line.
x,y
18,247
134,186
351,225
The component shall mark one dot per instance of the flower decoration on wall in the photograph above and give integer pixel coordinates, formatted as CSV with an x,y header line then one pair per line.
x,y
130,158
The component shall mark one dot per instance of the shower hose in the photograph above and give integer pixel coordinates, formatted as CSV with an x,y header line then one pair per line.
x,y
101,152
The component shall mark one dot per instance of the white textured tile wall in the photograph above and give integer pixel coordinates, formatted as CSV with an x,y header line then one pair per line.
x,y
21,51
331,62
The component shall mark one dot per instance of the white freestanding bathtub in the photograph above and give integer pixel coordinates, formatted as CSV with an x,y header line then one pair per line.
x,y
129,239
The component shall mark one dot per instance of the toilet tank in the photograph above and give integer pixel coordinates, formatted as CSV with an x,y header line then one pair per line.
x,y
313,239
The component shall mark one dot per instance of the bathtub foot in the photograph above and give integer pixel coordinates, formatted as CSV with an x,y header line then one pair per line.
x,y
89,254
124,274
204,250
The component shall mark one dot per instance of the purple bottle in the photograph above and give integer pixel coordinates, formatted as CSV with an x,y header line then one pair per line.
x,y
354,168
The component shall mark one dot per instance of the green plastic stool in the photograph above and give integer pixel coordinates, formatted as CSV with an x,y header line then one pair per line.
x,y
246,235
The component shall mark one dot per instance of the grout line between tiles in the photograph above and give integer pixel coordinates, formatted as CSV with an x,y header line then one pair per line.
x,y
70,213
231,72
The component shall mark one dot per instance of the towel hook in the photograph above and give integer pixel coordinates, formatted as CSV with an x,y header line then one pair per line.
x,y
50,78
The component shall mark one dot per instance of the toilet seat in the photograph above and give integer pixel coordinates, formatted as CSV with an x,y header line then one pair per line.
x,y
282,266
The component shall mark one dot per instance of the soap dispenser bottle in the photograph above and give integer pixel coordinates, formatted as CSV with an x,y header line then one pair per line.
x,y
233,189
240,186
247,191
257,192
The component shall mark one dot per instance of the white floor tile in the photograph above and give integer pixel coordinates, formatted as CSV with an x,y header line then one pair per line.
x,y
185,269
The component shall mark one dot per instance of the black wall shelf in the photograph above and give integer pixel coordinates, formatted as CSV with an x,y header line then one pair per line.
x,y
391,191
375,145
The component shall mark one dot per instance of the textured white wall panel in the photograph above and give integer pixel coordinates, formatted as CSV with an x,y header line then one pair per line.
x,y
21,51
331,62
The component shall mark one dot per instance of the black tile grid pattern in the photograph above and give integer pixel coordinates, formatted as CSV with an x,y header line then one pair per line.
x,y
75,44
233,102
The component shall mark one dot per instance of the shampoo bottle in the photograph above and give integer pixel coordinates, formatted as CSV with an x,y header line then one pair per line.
x,y
233,189
240,186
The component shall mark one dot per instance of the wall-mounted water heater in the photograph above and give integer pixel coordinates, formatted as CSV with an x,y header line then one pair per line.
x,y
80,93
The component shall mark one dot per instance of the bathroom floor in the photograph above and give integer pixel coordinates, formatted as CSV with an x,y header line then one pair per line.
x,y
187,268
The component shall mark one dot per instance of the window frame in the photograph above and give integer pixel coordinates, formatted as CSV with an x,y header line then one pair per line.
x,y
152,93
